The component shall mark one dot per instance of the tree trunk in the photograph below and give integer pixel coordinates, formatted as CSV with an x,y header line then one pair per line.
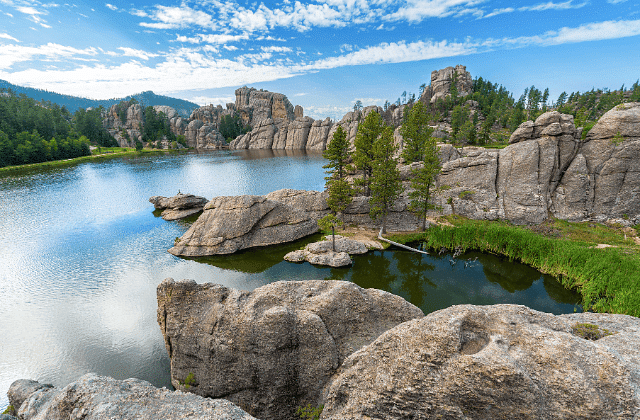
x,y
333,234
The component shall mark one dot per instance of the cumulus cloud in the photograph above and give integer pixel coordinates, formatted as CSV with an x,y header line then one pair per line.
x,y
215,100
111,6
169,17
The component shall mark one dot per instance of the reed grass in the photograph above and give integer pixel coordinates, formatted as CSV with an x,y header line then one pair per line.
x,y
608,279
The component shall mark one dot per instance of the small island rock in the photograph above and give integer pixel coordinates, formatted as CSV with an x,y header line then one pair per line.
x,y
179,206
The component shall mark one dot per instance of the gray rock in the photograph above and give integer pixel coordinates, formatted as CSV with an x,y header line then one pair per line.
x,y
522,133
7,417
623,119
230,224
330,258
440,86
319,134
272,349
491,362
322,253
95,397
298,133
21,389
179,206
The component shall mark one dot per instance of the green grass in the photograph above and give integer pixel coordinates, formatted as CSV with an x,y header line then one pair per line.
x,y
106,153
608,279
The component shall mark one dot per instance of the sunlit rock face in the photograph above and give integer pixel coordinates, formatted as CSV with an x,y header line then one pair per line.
x,y
273,349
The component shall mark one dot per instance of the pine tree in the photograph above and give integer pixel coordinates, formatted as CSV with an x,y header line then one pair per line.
x,y
368,131
337,153
415,131
385,183
423,179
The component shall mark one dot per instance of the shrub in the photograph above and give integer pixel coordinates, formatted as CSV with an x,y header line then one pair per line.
x,y
590,331
309,412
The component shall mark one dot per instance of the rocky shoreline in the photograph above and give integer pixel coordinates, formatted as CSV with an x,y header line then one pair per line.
x,y
361,353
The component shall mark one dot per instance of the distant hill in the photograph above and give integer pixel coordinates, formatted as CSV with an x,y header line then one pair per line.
x,y
73,103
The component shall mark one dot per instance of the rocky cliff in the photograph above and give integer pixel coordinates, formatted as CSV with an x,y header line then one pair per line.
x,y
547,170
441,81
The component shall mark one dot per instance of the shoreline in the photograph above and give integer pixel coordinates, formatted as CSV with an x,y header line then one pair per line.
x,y
104,155
607,277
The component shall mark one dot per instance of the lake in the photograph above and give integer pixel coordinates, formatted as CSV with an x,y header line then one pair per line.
x,y
81,254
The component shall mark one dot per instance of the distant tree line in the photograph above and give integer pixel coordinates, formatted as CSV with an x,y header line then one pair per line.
x,y
33,132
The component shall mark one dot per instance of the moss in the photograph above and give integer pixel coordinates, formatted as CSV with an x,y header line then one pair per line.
x,y
309,412
10,411
189,381
589,331
465,194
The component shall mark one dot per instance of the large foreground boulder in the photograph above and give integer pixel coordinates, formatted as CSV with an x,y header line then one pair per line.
x,y
95,397
230,224
275,348
493,362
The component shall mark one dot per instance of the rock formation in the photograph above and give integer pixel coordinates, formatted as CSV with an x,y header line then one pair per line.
x,y
95,397
230,224
273,349
322,253
549,170
441,80
492,362
179,206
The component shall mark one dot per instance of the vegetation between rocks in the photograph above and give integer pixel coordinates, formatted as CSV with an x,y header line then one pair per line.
x,y
608,279
590,331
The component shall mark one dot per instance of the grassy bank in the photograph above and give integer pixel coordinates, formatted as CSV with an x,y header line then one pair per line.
x,y
607,278
104,153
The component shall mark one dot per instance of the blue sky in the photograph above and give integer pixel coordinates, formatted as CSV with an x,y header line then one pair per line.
x,y
323,54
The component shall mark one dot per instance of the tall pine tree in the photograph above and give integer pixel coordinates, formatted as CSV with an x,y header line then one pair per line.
x,y
368,131
385,181
423,179
415,131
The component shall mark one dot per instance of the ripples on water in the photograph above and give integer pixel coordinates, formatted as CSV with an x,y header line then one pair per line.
x,y
81,255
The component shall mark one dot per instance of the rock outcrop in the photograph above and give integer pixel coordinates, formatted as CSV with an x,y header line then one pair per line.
x,y
179,206
441,81
273,349
322,253
95,397
230,224
548,169
492,362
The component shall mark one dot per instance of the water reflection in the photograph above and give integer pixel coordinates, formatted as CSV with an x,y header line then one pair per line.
x,y
82,254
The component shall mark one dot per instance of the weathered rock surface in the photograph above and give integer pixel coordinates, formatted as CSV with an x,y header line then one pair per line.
x,y
179,206
492,362
440,86
272,349
322,253
230,224
95,397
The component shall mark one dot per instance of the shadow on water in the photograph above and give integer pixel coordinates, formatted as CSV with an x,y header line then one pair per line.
x,y
431,282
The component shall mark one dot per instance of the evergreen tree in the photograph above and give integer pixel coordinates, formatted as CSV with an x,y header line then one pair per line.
x,y
337,153
423,179
415,131
385,183
368,131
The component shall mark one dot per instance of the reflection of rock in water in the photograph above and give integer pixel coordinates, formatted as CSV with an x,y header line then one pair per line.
x,y
510,275
413,270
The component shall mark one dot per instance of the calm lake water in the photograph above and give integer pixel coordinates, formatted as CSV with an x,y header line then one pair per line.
x,y
81,254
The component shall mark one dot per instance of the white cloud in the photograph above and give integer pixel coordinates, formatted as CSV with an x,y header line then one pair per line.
x,y
111,6
168,17
418,10
616,1
131,52
594,32
553,6
7,36
497,12
222,38
28,10
12,54
395,53
207,100
276,49
230,47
